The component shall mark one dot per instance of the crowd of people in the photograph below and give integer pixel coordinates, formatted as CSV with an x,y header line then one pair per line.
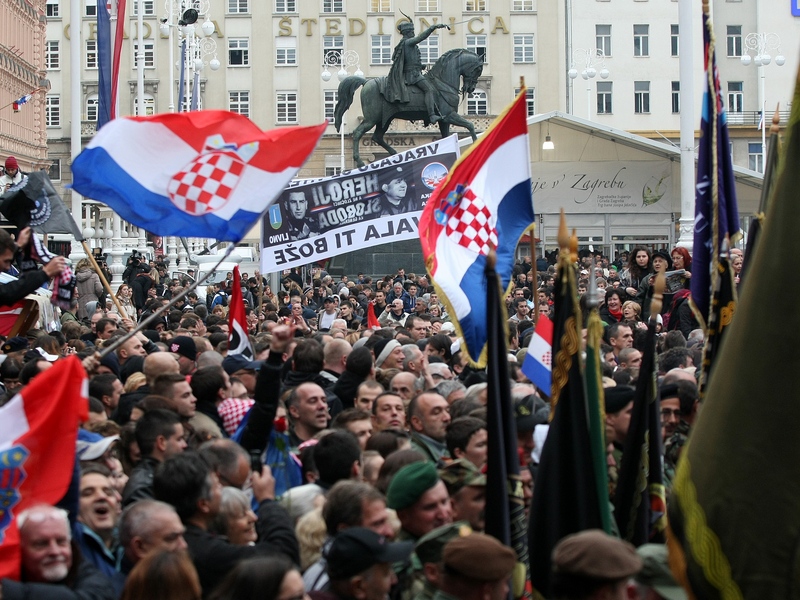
x,y
346,458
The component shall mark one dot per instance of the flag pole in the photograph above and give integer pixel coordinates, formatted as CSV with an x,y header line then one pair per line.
x,y
102,277
535,275
141,325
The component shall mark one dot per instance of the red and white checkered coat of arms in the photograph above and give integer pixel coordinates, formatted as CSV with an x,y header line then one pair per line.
x,y
205,184
470,225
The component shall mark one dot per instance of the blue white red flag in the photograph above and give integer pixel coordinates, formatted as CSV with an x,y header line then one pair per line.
x,y
238,340
38,430
24,100
484,203
716,214
109,47
537,365
200,174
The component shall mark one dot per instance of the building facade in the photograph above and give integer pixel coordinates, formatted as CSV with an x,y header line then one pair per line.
x,y
271,56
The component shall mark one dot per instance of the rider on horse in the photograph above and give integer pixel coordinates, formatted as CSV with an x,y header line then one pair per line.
x,y
406,69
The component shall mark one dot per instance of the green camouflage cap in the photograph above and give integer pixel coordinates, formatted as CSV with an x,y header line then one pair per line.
x,y
656,573
461,473
430,547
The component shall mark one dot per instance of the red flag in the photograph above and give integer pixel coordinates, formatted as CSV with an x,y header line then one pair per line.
x,y
9,316
38,431
238,340
372,320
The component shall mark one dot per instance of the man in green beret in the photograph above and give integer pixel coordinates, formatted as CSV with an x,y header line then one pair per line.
x,y
420,499
476,567
467,488
429,551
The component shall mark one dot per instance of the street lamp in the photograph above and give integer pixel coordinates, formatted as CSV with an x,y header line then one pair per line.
x,y
590,59
762,44
344,60
196,43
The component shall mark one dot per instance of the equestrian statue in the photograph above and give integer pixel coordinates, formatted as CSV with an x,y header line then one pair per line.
x,y
408,93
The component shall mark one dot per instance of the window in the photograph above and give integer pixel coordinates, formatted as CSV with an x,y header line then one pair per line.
x,y
641,97
149,104
602,34
52,110
604,90
332,48
475,5
522,5
676,97
92,107
735,96
186,103
429,50
477,43
329,102
755,160
332,6
149,54
734,41
674,33
52,57
286,51
90,9
427,5
149,8
523,47
238,52
91,54
52,9
287,107
477,103
380,6
381,49
54,170
285,6
331,171
529,100
641,40
239,102
238,7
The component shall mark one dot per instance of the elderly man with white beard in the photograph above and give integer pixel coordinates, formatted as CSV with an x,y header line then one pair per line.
x,y
50,569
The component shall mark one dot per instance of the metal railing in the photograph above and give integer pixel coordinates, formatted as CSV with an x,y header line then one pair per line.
x,y
751,118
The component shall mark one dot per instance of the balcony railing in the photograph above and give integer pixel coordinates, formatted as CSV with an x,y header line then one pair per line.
x,y
751,118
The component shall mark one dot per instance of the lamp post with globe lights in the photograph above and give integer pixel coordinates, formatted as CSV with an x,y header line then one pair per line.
x,y
344,60
761,45
594,63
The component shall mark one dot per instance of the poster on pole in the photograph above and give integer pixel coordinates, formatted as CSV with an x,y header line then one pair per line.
x,y
315,219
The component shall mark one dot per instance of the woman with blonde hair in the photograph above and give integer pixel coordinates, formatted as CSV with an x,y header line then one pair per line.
x,y
124,296
166,574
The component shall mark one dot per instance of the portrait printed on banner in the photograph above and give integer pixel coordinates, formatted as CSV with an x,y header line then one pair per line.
x,y
301,224
398,196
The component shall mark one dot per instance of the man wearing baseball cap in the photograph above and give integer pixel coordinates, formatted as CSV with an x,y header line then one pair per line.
x,y
359,564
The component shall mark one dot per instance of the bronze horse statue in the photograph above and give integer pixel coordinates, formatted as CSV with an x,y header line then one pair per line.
x,y
379,113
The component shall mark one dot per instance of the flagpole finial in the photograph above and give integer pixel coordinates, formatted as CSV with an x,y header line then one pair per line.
x,y
521,84
563,234
573,246
658,296
706,7
491,259
776,120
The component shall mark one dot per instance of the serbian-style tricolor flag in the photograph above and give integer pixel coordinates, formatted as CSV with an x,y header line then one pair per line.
x,y
238,340
207,173
109,48
484,203
537,365
38,430
19,102
716,215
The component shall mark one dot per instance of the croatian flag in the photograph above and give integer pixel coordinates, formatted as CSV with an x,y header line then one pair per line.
x,y
238,340
484,203
24,100
537,365
38,431
208,173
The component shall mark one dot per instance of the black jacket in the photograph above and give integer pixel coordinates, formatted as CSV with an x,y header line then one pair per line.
x,y
214,556
14,291
89,584
140,484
